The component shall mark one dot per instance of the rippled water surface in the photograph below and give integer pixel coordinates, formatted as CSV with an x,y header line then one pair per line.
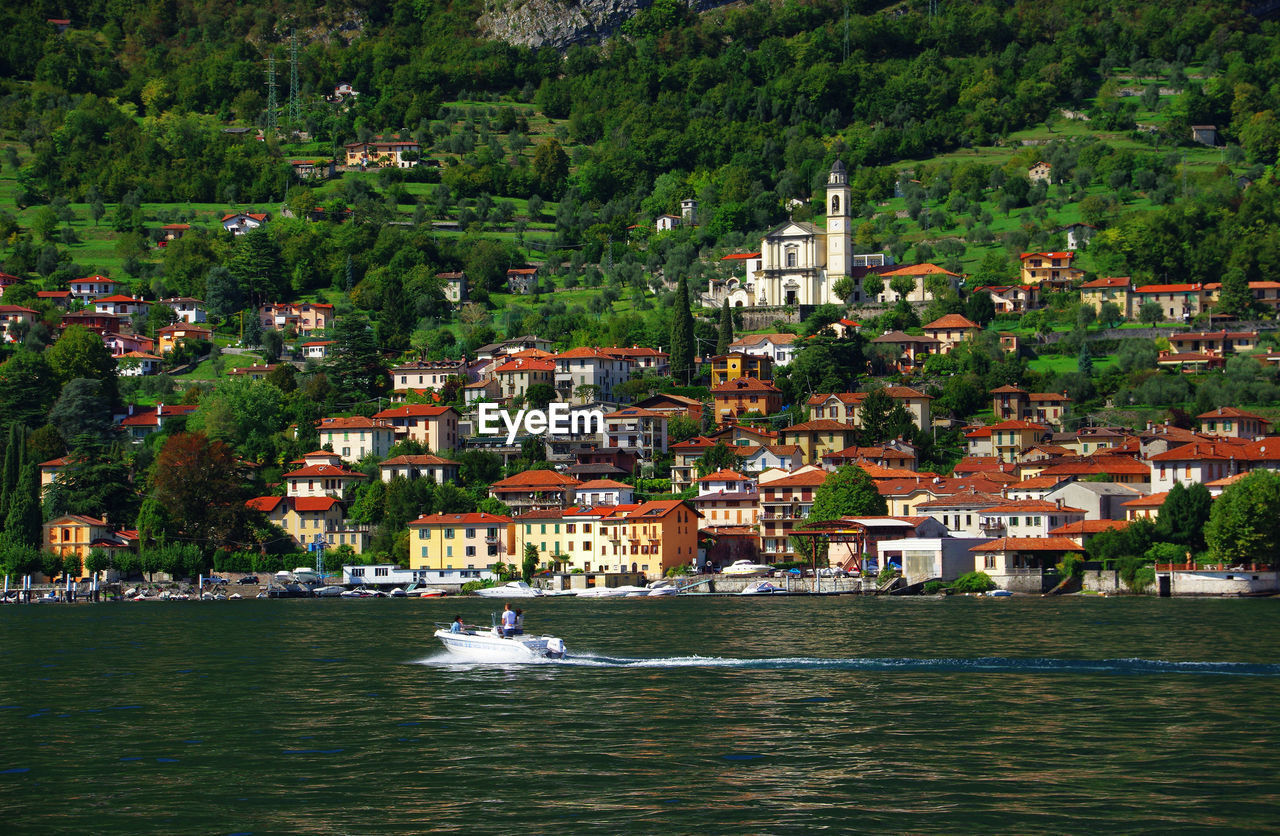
x,y
721,715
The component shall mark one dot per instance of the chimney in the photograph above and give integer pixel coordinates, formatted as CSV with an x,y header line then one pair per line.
x,y
159,409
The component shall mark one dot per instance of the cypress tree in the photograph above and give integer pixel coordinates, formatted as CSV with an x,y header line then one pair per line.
x,y
11,467
682,350
23,520
726,329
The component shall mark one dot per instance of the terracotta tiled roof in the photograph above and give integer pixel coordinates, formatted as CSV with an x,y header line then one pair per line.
x,y
536,479
330,471
798,480
478,518
313,503
751,340
426,459
951,321
1032,506
820,425
919,270
1155,500
1109,281
265,504
1029,544
602,485
744,384
1168,288
1019,425
1075,529
723,476
414,410
526,366
356,422
1231,412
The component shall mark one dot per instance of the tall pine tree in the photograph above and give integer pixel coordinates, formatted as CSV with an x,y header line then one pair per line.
x,y
22,522
726,329
682,346
14,449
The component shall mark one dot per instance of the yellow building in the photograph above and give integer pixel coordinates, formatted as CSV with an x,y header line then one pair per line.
x,y
1010,438
571,539
1050,269
170,336
461,541
732,366
819,438
77,535
304,517
1117,289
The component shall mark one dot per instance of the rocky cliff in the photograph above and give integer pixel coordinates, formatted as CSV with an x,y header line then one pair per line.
x,y
560,23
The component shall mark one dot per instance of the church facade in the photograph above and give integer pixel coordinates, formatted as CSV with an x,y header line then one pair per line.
x,y
800,263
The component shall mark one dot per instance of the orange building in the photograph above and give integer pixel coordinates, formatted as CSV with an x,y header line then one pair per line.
x,y
745,394
656,536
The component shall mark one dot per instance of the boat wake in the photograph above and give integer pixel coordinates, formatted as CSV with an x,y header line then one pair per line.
x,y
988,664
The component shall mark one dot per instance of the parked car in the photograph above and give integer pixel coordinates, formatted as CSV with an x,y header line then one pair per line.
x,y
216,579
247,579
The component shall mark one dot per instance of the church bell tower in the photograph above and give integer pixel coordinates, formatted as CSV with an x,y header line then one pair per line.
x,y
839,243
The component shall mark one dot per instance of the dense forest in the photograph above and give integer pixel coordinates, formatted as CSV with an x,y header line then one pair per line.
x,y
752,98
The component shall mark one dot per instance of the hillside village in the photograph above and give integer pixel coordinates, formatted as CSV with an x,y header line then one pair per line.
x,y
695,469
1025,326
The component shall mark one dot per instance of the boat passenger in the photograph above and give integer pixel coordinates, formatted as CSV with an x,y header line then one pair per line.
x,y
508,621
519,622
456,626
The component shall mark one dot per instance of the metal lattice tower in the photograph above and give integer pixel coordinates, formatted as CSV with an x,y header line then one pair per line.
x,y
271,94
846,31
294,118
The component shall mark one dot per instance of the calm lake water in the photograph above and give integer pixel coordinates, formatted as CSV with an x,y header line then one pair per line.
x,y
675,716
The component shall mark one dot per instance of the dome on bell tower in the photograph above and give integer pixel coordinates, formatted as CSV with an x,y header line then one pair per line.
x,y
838,175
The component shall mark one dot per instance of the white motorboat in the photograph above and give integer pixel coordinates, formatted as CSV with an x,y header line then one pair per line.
x,y
330,591
663,591
763,588
429,592
511,589
304,575
745,569
603,592
488,645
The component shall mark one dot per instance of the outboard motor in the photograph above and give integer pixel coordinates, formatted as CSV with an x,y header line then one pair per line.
x,y
555,648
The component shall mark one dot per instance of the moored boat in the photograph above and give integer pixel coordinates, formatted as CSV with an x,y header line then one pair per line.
x,y
763,588
745,569
511,589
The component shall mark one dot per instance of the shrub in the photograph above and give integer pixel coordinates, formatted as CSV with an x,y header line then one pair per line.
x,y
1072,566
1135,574
934,587
973,582
886,573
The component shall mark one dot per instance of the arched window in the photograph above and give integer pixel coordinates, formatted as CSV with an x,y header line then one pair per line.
x,y
791,256
835,204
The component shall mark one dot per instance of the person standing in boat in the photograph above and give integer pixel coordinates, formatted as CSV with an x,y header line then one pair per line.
x,y
508,621
456,626
519,622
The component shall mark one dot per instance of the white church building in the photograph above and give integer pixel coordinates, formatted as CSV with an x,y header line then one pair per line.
x,y
799,263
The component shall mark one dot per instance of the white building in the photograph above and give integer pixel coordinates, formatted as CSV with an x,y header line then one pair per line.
x,y
603,492
780,348
188,310
354,438
635,430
